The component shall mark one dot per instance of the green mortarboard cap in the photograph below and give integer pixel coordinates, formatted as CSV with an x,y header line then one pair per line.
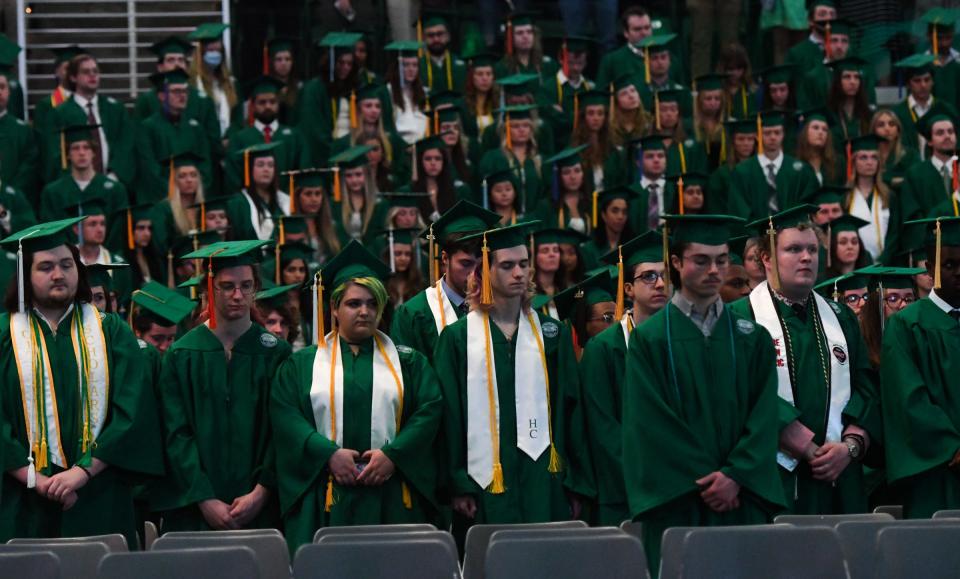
x,y
295,224
405,236
341,41
138,212
842,26
595,97
66,54
705,229
596,289
817,114
98,274
275,296
280,44
522,17
183,159
889,277
171,45
430,143
506,237
842,283
692,178
76,133
577,44
949,229
944,19
352,262
93,206
645,248
309,178
184,244
407,48
712,81
772,118
42,236
404,198
500,176
624,192
828,194
481,58
671,95
264,85
175,76
431,17
296,250
938,112
785,219
517,112
9,51
567,157
813,4
444,97
656,42
259,150
208,31
226,254
742,126
651,142
163,302
737,246
916,65
463,218
555,235
192,282
848,64
626,79
847,222
369,91
447,114
352,157
519,84
869,142
218,203
778,74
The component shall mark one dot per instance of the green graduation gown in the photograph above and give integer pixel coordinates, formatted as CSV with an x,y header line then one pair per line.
x,y
303,452
805,55
413,324
115,123
314,120
438,74
804,494
533,494
60,195
529,179
556,91
129,442
18,208
921,412
158,139
712,409
749,192
19,156
922,190
292,154
909,138
199,107
217,425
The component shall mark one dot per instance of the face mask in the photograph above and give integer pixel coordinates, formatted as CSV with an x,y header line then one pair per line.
x,y
213,58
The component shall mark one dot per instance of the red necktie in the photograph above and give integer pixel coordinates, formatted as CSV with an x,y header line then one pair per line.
x,y
267,134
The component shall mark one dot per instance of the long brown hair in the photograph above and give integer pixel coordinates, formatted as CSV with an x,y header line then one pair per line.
x,y
861,107
470,96
83,295
221,75
396,92
896,146
596,154
828,157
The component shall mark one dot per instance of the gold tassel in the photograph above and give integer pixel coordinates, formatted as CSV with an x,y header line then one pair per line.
x,y
576,110
486,291
596,203
42,461
509,139
723,146
759,135
656,109
276,259
936,269
407,499
646,65
772,237
85,438
683,158
449,66
246,169
496,487
328,502
666,260
556,465
337,195
171,181
293,199
130,243
203,216
63,151
680,189
353,109
420,38
936,43
613,103
618,313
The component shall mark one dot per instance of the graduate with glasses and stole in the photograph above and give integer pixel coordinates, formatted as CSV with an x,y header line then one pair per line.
x,y
216,391
699,400
78,427
354,416
827,411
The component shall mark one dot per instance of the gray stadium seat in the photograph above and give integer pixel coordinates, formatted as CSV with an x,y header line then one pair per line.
x,y
928,551
150,535
236,533
116,543
441,536
82,559
634,528
830,520
617,556
672,547
412,559
36,565
521,534
763,553
478,539
272,553
371,529
895,511
859,541
947,514
225,562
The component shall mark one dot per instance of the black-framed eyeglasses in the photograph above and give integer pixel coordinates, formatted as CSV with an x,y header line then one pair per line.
x,y
247,289
650,277
853,299
894,299
607,318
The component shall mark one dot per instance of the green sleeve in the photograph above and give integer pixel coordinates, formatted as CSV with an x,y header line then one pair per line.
x,y
403,330
578,469
449,359
21,213
28,162
602,411
863,409
314,120
150,183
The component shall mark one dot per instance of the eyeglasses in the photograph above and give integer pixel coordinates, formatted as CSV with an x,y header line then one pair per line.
x,y
895,299
247,289
853,299
607,318
650,277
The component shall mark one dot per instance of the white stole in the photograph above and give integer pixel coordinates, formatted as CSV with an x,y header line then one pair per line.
x,y
874,234
326,391
264,229
443,311
626,324
31,354
483,403
765,312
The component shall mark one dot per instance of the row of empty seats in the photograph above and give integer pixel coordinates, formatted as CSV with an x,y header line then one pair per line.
x,y
832,546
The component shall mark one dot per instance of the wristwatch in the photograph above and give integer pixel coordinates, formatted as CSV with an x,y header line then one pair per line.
x,y
853,449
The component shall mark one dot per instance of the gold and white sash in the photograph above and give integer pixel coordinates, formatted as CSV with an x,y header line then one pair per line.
x,y
531,383
326,391
626,324
37,390
765,312
442,309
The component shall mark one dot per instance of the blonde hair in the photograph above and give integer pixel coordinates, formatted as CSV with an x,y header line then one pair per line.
x,y
896,146
369,201
533,150
222,77
883,192
181,219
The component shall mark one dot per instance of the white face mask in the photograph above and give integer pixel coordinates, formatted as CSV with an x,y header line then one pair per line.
x,y
213,58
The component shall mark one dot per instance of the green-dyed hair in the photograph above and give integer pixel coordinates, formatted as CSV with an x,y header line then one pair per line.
x,y
374,285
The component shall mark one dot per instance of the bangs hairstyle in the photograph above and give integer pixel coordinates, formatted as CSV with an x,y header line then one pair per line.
x,y
83,295
475,285
372,284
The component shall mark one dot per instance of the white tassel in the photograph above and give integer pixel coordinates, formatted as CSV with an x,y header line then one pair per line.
x,y
316,305
31,473
21,303
393,259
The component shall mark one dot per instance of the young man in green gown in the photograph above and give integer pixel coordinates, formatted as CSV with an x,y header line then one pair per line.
x,y
918,378
603,365
78,427
699,401
516,450
365,458
828,408
216,391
